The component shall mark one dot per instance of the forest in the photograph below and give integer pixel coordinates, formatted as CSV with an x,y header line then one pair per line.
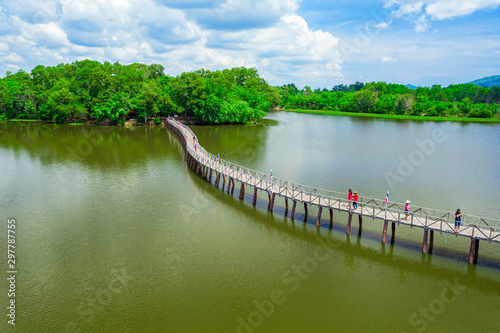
x,y
111,93
461,100
90,91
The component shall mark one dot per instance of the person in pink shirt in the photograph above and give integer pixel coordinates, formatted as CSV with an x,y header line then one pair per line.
x,y
407,209
349,198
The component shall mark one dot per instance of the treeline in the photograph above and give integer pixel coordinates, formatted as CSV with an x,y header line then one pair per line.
x,y
461,100
105,92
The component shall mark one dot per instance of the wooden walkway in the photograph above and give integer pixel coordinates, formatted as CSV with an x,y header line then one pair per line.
x,y
432,220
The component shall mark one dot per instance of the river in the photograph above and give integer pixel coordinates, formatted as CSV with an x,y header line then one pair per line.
x,y
116,234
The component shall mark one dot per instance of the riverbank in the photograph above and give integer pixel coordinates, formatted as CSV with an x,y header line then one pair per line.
x,y
388,116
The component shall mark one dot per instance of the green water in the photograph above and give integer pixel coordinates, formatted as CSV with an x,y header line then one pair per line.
x,y
116,234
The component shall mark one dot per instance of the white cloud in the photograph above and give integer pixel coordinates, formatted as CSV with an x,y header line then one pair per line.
x,y
419,12
389,59
383,25
440,10
13,57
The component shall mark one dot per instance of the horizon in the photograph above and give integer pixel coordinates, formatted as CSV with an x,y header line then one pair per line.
x,y
312,43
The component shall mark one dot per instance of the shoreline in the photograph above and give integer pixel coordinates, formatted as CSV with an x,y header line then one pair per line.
x,y
399,117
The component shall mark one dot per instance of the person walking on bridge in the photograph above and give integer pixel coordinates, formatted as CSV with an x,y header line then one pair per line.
x,y
458,219
407,209
349,198
355,200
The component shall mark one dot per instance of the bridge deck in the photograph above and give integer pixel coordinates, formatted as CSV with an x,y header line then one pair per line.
x,y
431,219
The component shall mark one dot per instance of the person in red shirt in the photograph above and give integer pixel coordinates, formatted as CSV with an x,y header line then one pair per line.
x,y
355,200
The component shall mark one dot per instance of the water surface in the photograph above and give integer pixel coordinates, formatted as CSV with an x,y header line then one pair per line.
x,y
116,234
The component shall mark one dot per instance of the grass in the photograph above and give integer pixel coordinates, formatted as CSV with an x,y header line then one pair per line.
x,y
389,116
24,120
76,124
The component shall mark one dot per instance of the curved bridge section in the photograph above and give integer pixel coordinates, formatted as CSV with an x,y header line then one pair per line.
x,y
208,166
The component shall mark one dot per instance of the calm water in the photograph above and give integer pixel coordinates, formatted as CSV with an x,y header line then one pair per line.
x,y
115,234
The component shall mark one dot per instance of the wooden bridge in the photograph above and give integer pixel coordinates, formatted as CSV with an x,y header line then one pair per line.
x,y
208,166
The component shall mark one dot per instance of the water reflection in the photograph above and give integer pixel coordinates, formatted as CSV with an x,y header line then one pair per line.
x,y
99,146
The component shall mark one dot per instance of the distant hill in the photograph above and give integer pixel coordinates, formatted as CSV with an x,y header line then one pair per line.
x,y
489,81
411,86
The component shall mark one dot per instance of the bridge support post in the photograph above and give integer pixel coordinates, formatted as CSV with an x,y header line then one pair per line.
x,y
217,179
331,217
474,251
223,182
393,235
293,209
271,202
360,219
232,189
424,246
349,220
242,191
305,209
319,216
210,177
229,184
286,206
384,233
198,168
254,202
431,241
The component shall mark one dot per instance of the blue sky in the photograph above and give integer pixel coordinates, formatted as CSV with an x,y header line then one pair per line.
x,y
311,42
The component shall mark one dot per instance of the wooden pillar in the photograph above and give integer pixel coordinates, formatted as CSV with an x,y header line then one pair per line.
x,y
272,202
210,177
223,182
254,202
331,217
424,246
431,241
360,219
319,216
474,251
242,191
393,235
305,208
349,220
286,203
198,168
229,184
232,188
293,209
217,179
384,233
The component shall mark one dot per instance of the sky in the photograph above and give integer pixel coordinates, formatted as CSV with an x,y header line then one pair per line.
x,y
318,43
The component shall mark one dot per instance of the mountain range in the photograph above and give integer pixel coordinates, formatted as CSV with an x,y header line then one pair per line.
x,y
489,81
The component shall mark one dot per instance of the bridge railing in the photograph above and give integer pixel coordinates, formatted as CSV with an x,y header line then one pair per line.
x,y
419,216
